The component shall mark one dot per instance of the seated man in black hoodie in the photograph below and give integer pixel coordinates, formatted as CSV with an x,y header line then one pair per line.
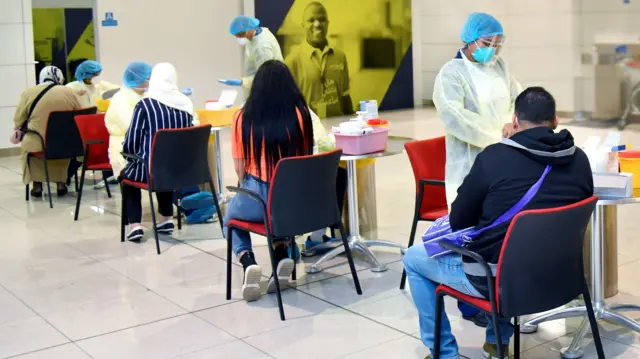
x,y
499,178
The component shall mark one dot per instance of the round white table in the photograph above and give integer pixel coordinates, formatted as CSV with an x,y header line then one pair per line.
x,y
357,242
602,311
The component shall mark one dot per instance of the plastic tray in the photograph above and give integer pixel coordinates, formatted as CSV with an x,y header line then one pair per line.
x,y
361,144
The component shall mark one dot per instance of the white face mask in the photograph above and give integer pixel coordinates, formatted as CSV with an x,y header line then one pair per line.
x,y
243,41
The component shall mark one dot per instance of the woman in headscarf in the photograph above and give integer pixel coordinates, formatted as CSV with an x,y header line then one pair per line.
x,y
87,86
120,112
164,107
56,98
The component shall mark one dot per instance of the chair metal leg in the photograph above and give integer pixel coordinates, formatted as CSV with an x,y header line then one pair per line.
x,y
293,256
179,215
46,176
438,328
592,320
27,192
77,213
229,241
106,183
153,218
274,268
347,251
333,232
123,214
516,337
414,226
496,328
217,204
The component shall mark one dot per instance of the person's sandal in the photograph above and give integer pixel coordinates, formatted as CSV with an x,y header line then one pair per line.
x,y
61,191
36,192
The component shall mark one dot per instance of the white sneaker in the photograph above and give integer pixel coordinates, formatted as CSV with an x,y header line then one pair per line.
x,y
251,285
283,273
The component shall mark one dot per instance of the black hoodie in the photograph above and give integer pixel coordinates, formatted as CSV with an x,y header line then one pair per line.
x,y
502,174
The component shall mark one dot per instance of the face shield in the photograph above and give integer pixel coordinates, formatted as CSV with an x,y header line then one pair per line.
x,y
495,42
487,48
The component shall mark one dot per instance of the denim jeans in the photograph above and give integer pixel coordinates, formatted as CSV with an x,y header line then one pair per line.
x,y
244,208
425,274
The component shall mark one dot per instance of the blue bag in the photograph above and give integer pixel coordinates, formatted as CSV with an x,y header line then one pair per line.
x,y
440,230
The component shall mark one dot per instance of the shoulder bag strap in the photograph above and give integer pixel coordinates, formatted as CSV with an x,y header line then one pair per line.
x,y
34,103
519,206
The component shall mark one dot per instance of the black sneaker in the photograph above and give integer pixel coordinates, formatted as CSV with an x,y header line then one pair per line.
x,y
135,235
252,276
165,227
283,269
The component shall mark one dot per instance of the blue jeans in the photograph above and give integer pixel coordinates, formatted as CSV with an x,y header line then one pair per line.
x,y
425,274
244,208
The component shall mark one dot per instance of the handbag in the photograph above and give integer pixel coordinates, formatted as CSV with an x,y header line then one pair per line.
x,y
440,230
18,134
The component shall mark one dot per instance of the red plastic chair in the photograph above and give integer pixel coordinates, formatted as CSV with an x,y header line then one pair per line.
x,y
95,138
428,158
540,268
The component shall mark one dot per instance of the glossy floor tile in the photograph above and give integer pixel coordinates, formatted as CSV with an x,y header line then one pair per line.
x,y
71,290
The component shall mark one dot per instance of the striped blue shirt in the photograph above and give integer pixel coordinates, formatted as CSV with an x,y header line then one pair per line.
x,y
149,116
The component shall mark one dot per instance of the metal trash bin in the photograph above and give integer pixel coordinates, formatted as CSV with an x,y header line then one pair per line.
x,y
610,237
368,210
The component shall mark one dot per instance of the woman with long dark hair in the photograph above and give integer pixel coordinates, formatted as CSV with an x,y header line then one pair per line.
x,y
274,123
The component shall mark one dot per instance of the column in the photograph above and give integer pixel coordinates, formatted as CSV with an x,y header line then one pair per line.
x,y
17,69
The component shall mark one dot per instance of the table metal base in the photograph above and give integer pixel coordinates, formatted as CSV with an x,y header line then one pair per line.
x,y
601,310
610,314
224,198
360,244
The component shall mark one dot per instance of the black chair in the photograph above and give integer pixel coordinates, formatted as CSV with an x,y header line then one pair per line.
x,y
178,160
63,141
540,268
302,198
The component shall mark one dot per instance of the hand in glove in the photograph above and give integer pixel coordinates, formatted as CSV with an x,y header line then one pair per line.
x,y
231,82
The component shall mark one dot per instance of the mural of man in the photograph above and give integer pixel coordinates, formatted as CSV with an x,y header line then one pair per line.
x,y
319,69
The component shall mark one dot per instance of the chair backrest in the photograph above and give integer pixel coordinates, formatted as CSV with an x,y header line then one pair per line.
x,y
428,159
541,261
179,158
302,194
93,128
62,139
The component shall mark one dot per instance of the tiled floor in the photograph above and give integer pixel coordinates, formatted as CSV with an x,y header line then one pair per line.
x,y
71,290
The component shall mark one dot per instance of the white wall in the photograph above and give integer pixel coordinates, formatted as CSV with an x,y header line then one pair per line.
x,y
541,41
193,35
17,69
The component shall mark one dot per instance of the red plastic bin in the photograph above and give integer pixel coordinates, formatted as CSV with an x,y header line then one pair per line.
x,y
361,144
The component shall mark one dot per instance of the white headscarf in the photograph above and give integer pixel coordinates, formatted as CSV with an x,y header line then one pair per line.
x,y
163,87
51,74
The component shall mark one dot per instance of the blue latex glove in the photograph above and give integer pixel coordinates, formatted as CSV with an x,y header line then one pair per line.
x,y
231,82
187,92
